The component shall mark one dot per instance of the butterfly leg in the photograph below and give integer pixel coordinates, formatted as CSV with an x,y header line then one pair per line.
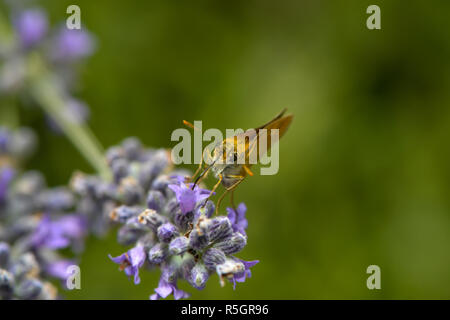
x,y
213,189
232,199
230,188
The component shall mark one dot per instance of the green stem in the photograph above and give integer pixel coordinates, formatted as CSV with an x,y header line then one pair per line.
x,y
8,113
44,88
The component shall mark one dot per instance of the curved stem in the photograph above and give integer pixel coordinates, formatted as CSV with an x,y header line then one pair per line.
x,y
44,88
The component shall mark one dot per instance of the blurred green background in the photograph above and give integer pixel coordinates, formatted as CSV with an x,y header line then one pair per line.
x,y
364,169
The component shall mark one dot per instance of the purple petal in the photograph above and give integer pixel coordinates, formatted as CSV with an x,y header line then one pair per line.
x,y
241,210
57,242
231,215
175,188
164,289
58,269
73,44
73,226
135,271
241,276
119,259
249,264
31,26
179,294
137,256
154,296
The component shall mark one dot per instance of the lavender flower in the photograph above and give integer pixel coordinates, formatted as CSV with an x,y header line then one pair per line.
x,y
199,276
179,245
56,51
186,197
158,253
70,45
131,261
237,218
58,269
241,276
20,278
58,234
166,232
173,226
31,26
165,288
35,221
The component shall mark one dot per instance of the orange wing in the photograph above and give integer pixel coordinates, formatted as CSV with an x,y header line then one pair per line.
x,y
252,137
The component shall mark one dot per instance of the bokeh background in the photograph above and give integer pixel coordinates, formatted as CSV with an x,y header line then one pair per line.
x,y
364,169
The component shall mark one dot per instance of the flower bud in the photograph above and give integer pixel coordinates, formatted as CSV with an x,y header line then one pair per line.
x,y
172,207
114,153
178,245
183,220
31,26
105,191
199,276
57,199
23,142
155,200
213,257
151,219
130,191
206,211
233,244
160,160
132,148
152,166
161,183
187,263
83,184
123,213
127,235
198,239
29,183
119,169
158,253
219,229
71,45
26,265
28,289
170,271
166,232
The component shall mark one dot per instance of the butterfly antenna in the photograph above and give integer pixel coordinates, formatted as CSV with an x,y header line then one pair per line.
x,y
197,180
190,125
